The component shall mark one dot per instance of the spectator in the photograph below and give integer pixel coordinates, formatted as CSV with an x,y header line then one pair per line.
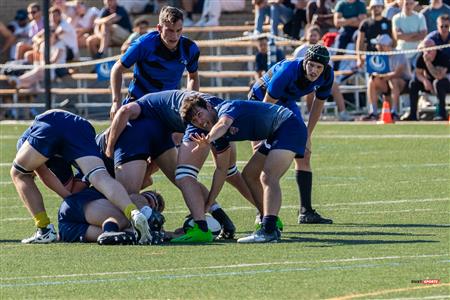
x,y
441,35
190,7
83,21
112,28
66,33
8,39
319,13
371,28
432,76
433,11
213,8
262,10
36,25
140,28
19,27
57,56
391,84
312,38
261,57
348,16
281,11
67,10
409,28
298,21
393,9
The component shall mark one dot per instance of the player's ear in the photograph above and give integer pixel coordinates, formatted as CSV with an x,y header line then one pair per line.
x,y
159,28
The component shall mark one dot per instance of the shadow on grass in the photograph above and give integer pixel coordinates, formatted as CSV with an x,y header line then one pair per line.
x,y
394,225
339,242
358,233
9,241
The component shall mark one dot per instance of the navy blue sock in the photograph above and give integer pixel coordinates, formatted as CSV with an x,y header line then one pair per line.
x,y
223,219
269,223
110,227
202,225
304,183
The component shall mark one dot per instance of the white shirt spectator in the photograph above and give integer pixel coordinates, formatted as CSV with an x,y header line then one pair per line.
x,y
69,36
408,24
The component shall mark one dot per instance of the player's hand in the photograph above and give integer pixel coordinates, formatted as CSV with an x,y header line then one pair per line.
x,y
114,108
109,152
201,140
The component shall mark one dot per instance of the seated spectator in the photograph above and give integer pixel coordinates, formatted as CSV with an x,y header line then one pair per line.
x,y
7,40
348,16
298,21
372,27
19,28
409,28
281,11
190,7
83,21
67,9
213,8
112,28
319,13
393,9
433,11
65,32
36,25
431,75
141,27
261,57
262,10
137,7
391,84
312,38
57,56
441,36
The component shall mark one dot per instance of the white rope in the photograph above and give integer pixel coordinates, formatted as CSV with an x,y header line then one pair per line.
x,y
236,39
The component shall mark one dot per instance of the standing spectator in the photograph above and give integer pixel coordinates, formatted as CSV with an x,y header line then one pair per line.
x,y
261,57
390,84
212,9
159,58
313,38
190,7
319,13
8,39
371,28
35,26
433,11
348,16
441,36
83,21
409,28
65,32
393,9
112,28
432,76
140,28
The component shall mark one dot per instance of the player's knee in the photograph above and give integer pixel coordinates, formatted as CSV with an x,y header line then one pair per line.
x,y
267,178
233,170
185,173
18,172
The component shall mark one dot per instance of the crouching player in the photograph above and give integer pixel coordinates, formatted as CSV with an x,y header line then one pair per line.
x,y
252,121
88,216
57,133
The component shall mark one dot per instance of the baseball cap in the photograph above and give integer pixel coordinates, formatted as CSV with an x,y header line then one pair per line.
x,y
21,15
376,2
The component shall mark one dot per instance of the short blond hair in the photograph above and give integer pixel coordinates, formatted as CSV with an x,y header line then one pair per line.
x,y
170,14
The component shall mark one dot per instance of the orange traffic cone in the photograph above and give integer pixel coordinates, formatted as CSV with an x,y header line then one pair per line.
x,y
386,117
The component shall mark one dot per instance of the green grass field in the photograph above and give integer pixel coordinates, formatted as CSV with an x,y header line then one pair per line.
x,y
386,187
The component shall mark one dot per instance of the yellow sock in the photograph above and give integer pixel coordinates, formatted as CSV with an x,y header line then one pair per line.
x,y
128,209
41,219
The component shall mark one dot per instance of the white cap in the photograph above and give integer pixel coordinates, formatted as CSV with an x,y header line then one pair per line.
x,y
382,39
376,2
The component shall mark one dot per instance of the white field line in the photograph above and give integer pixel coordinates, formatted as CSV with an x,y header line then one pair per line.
x,y
422,298
219,267
330,207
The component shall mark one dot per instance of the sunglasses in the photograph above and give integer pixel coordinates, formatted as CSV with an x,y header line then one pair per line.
x,y
33,12
444,26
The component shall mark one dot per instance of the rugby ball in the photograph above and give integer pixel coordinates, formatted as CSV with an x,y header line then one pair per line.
x,y
213,224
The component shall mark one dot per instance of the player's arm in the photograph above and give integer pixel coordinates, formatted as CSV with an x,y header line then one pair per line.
x,y
51,181
269,99
193,81
222,162
116,85
127,112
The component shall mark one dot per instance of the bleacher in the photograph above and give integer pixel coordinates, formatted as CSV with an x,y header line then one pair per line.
x,y
226,69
